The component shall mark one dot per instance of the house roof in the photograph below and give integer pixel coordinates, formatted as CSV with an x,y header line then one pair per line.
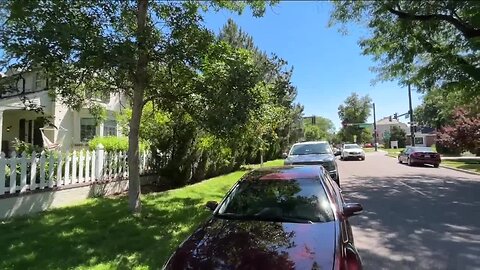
x,y
386,121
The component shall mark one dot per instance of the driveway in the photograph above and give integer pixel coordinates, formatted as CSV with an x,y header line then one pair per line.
x,y
414,217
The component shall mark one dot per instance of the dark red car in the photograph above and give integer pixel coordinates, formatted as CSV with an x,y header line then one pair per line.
x,y
291,217
419,156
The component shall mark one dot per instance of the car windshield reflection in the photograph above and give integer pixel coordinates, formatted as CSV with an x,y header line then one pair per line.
x,y
299,201
311,149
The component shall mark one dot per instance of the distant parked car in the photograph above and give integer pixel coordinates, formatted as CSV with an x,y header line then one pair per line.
x,y
314,153
419,155
290,217
352,151
368,145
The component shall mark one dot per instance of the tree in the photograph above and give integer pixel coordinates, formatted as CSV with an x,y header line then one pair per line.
x,y
128,47
437,108
463,134
433,44
355,110
397,134
321,129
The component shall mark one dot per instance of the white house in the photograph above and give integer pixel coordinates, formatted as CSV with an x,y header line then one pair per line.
x,y
384,125
74,128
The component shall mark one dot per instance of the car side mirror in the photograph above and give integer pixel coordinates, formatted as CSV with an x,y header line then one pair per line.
x,y
352,209
212,205
284,155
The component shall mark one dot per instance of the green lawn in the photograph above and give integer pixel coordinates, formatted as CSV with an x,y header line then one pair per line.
x,y
393,152
466,164
102,234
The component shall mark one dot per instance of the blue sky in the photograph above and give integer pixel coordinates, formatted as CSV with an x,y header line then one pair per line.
x,y
328,66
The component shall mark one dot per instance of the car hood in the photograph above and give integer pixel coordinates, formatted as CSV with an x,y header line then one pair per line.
x,y
310,158
234,244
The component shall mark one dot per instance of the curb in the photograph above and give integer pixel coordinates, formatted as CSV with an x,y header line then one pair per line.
x,y
459,170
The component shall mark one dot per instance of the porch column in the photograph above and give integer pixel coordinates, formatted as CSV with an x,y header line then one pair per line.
x,y
1,130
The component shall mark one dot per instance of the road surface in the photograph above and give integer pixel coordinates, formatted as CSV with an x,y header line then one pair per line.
x,y
414,217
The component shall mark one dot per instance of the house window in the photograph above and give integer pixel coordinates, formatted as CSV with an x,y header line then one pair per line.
x,y
418,140
88,129
38,81
110,128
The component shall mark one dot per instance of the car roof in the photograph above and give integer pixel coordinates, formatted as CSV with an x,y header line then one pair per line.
x,y
286,172
312,142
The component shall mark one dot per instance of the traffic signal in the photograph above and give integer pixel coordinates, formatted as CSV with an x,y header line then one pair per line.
x,y
395,116
390,118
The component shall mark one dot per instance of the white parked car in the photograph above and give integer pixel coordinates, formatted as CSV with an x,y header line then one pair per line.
x,y
352,151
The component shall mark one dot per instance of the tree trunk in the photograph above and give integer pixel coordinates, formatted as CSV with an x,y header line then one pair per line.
x,y
139,85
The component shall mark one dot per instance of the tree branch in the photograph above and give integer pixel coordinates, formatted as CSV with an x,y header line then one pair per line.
x,y
468,31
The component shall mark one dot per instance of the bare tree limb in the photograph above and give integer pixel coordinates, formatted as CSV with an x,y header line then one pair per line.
x,y
467,30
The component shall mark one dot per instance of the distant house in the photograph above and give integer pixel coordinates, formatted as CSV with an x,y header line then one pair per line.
x,y
73,128
424,136
384,125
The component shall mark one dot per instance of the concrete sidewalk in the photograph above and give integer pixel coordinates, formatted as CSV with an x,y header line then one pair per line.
x,y
460,158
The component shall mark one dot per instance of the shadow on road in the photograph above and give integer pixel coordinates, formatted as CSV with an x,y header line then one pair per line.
x,y
417,222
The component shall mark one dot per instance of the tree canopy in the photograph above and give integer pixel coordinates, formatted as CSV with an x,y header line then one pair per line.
x,y
431,44
150,51
354,110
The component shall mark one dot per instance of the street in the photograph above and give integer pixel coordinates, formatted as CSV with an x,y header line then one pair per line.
x,y
414,217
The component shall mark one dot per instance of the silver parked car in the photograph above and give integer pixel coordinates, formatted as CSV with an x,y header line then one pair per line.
x,y
352,151
314,153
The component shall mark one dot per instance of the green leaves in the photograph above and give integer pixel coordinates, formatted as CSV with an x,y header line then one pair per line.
x,y
429,44
355,110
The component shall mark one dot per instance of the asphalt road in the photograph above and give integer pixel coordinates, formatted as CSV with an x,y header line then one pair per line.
x,y
414,217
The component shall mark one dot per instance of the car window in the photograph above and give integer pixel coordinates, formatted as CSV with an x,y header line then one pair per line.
x,y
309,149
351,146
423,149
278,200
334,190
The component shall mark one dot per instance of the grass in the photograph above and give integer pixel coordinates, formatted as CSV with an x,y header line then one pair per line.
x,y
466,164
102,234
393,152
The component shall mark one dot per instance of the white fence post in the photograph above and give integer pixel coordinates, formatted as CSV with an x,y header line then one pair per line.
x,y
42,170
99,158
33,171
2,173
67,179
80,167
87,166
60,179
23,172
108,166
74,167
51,165
13,172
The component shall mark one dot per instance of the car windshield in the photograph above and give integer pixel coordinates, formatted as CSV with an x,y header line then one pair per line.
x,y
311,149
423,149
351,146
295,200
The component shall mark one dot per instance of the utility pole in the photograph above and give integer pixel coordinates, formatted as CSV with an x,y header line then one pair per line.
x,y
374,128
412,127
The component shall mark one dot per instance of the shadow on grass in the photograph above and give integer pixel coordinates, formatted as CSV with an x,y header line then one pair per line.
x,y
101,233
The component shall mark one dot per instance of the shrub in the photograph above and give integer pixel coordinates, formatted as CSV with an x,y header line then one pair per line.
x,y
113,143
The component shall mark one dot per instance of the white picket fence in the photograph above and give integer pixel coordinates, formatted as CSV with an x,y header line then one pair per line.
x,y
20,173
